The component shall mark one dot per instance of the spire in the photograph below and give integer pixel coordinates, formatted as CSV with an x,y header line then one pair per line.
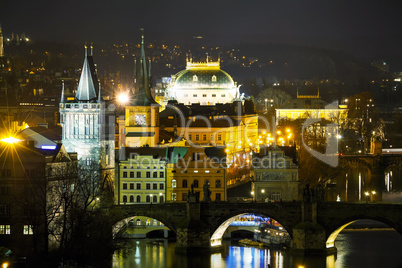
x,y
62,92
143,63
142,96
149,73
99,94
87,86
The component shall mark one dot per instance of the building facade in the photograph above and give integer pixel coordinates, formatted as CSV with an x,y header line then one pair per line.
x,y
190,169
204,83
142,176
88,126
276,176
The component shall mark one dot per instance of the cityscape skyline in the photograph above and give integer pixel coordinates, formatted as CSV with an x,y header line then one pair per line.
x,y
361,27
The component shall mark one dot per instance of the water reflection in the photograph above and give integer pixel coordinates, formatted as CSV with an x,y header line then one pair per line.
x,y
355,249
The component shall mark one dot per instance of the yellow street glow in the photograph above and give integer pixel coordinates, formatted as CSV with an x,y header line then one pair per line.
x,y
10,140
122,98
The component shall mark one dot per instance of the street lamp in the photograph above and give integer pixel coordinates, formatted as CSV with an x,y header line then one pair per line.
x,y
252,195
266,104
122,98
367,196
151,199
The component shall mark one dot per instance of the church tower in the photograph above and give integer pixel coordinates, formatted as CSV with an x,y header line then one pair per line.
x,y
142,114
1,43
88,127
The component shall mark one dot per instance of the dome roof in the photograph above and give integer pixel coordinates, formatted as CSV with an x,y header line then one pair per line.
x,y
203,77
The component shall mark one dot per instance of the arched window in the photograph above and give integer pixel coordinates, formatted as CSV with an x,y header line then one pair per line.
x,y
184,183
214,78
138,199
138,222
148,222
161,199
195,183
155,223
131,198
173,183
124,198
155,199
148,199
218,184
195,78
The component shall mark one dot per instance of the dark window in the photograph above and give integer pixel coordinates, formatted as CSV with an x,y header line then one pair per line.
x,y
184,196
138,199
218,184
131,186
131,198
204,137
155,199
138,186
124,198
155,174
195,183
184,183
148,174
131,174
148,186
124,186
124,174
155,186
148,199
217,197
161,199
161,174
138,174
161,186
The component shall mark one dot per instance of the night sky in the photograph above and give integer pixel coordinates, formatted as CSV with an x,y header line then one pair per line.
x,y
360,26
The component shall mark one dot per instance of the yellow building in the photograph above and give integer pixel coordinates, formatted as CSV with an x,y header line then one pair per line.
x,y
142,175
191,168
311,106
141,121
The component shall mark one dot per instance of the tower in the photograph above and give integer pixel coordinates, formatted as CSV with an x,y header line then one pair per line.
x,y
88,127
142,114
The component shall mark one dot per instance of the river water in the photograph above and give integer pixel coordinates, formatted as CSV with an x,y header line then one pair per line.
x,y
357,248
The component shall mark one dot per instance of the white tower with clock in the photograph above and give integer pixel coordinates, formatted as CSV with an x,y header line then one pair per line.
x,y
142,114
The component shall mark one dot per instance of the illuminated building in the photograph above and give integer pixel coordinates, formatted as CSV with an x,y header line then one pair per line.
x,y
31,185
41,137
142,175
190,168
311,106
204,83
88,125
140,126
276,175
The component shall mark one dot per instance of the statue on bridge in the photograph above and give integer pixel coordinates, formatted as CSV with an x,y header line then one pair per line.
x,y
207,192
193,197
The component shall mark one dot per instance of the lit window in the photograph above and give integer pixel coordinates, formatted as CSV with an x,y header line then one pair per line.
x,y
214,78
173,183
173,196
195,78
5,229
28,230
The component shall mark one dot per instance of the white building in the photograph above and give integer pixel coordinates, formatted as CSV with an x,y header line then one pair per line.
x,y
204,83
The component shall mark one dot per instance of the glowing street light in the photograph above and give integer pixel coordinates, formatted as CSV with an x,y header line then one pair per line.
x,y
10,140
123,98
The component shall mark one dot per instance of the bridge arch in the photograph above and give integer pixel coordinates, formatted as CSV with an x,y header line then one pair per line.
x,y
224,222
143,221
330,243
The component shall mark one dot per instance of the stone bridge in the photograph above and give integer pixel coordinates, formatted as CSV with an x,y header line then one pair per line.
x,y
313,226
375,165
